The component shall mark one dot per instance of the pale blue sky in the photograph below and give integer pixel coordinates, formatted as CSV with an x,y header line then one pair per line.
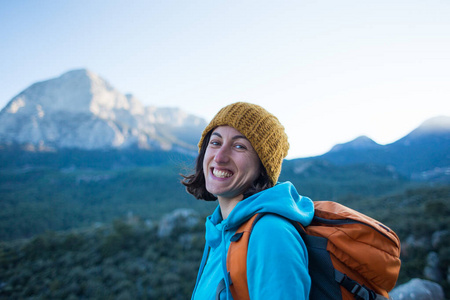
x,y
330,70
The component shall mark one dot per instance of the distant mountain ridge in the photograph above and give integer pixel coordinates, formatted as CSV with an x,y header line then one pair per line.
x,y
422,154
81,110
361,142
81,116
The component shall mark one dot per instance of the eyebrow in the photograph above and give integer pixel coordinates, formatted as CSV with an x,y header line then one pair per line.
x,y
236,137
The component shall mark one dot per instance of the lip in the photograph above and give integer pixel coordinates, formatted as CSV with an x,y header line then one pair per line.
x,y
220,173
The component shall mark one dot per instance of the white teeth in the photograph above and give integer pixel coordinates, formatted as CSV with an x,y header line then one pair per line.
x,y
222,174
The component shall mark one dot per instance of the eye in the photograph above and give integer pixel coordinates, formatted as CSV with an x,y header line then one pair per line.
x,y
240,146
214,143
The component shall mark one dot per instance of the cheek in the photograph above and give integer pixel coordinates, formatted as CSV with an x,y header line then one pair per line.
x,y
254,166
255,175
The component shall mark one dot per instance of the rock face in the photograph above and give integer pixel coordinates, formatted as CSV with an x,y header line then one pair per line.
x,y
183,217
81,110
431,270
418,289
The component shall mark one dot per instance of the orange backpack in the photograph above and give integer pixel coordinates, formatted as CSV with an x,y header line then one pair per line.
x,y
351,256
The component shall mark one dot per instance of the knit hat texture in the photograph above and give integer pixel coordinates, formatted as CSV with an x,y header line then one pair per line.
x,y
261,128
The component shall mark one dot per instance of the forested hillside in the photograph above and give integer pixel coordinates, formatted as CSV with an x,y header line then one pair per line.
x,y
132,259
123,260
37,200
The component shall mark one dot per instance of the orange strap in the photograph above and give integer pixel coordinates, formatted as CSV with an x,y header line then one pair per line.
x,y
237,260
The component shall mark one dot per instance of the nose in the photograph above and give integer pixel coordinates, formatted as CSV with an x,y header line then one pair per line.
x,y
222,155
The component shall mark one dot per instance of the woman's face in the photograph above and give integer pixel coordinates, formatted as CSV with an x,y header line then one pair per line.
x,y
231,164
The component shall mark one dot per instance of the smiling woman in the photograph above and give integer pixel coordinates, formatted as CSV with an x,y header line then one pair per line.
x,y
240,156
230,167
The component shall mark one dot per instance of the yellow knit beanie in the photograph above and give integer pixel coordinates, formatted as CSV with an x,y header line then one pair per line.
x,y
261,128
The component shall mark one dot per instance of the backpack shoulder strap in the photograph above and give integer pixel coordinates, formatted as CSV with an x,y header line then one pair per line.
x,y
237,259
237,256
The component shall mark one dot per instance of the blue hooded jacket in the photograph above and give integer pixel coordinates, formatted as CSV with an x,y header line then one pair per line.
x,y
277,259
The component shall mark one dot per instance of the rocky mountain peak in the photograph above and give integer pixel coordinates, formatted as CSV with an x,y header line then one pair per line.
x,y
80,109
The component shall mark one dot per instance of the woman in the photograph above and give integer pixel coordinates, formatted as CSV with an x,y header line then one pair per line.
x,y
239,161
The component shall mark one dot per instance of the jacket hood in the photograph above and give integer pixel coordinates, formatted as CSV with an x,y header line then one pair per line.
x,y
281,199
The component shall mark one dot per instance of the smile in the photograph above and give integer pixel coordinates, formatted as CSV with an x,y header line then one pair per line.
x,y
222,173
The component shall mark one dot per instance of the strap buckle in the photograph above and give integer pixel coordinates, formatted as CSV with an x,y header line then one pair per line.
x,y
360,292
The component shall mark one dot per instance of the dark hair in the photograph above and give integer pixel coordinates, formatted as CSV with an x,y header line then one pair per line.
x,y
195,183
